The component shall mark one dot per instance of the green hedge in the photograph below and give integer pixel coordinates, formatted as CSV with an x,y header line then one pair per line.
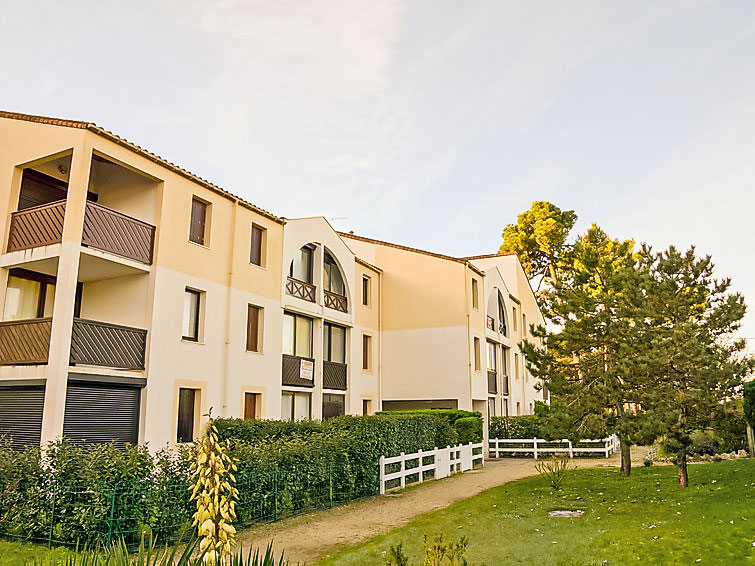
x,y
749,402
525,426
469,429
253,431
468,424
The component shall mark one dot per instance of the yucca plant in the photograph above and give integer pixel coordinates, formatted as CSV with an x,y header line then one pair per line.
x,y
212,473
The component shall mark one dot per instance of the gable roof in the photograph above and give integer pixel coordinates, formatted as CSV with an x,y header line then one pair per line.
x,y
92,127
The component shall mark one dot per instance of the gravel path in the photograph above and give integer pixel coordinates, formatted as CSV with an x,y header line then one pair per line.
x,y
308,537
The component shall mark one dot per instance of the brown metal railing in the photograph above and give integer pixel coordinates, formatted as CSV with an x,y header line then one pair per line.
x,y
36,226
336,302
292,371
333,375
25,341
108,345
300,289
492,381
111,231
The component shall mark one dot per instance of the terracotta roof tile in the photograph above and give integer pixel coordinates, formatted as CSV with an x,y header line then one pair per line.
x,y
143,152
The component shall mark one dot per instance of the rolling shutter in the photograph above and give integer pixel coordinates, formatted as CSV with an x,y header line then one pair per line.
x,y
21,410
98,413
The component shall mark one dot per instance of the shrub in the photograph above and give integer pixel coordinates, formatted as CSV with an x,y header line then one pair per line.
x,y
253,431
469,429
554,470
525,426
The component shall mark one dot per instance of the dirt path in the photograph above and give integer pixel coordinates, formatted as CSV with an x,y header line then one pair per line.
x,y
308,537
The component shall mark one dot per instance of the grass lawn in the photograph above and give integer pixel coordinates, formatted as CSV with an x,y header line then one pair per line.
x,y
647,518
21,554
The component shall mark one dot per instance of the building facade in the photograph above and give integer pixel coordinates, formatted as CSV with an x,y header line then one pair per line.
x,y
136,297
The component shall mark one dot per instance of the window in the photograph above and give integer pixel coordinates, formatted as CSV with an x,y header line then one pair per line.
x,y
491,407
492,358
198,229
518,409
297,335
333,405
296,406
516,366
187,414
366,352
477,355
532,412
192,304
29,295
513,318
475,294
334,343
251,406
505,407
366,407
257,249
332,279
366,291
254,318
301,266
501,317
524,324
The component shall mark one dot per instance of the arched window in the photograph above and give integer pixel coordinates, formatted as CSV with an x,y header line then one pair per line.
x,y
332,278
502,317
301,266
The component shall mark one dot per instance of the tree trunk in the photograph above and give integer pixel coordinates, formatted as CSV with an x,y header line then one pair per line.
x,y
681,467
626,456
751,440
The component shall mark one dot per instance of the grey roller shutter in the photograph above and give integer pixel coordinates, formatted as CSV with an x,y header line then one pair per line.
x,y
21,410
99,413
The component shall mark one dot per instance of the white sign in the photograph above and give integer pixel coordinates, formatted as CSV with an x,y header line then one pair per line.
x,y
307,370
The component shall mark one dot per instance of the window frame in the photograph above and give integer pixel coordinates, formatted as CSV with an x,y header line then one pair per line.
x,y
295,317
205,222
293,394
367,352
258,328
477,354
366,290
256,228
330,265
475,294
309,250
256,397
197,315
193,422
327,339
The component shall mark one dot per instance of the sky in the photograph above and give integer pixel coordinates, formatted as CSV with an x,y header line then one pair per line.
x,y
427,123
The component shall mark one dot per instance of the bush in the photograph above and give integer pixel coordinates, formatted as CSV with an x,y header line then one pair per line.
x,y
469,429
525,426
253,431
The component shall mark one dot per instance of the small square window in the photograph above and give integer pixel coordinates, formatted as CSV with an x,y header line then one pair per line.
x,y
192,306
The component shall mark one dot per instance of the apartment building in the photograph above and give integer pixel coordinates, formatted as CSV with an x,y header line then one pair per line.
x,y
451,329
136,296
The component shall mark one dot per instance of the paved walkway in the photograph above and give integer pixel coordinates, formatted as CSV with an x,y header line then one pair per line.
x,y
308,537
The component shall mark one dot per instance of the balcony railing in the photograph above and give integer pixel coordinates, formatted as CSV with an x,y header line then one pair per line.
x,y
300,289
296,371
108,345
492,381
104,229
24,342
336,302
333,375
36,226
111,231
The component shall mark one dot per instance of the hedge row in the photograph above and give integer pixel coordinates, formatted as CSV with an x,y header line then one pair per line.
x,y
102,493
468,424
525,426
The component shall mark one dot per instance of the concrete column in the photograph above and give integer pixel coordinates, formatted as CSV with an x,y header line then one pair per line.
x,y
65,296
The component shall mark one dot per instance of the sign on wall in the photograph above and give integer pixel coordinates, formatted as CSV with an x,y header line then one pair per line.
x,y
307,370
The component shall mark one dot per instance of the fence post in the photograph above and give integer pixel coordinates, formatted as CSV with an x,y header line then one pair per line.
x,y
534,447
421,473
571,449
403,469
109,537
382,475
607,446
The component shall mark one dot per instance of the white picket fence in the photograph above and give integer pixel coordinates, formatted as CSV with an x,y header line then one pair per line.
x,y
445,461
540,446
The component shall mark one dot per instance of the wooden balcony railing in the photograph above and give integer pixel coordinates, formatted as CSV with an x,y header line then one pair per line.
x,y
108,345
333,375
111,231
336,302
25,342
492,381
294,369
36,226
300,289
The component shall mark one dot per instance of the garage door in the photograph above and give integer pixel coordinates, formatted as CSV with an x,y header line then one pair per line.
x,y
100,413
21,410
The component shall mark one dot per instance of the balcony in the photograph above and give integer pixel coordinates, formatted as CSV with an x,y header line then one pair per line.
x,y
104,229
297,371
333,375
301,289
336,302
27,342
492,381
